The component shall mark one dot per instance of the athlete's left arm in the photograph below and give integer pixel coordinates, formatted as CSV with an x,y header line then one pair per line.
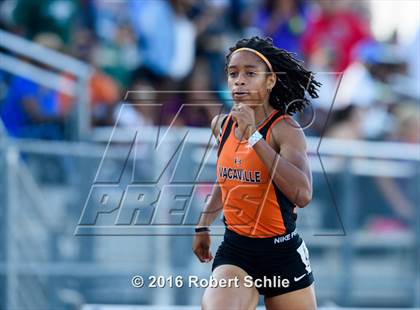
x,y
289,167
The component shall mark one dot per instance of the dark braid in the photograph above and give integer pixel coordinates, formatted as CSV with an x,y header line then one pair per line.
x,y
288,95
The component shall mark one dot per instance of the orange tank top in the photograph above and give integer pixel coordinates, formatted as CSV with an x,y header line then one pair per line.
x,y
253,205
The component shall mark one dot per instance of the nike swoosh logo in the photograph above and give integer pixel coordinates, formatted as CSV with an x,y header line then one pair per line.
x,y
299,278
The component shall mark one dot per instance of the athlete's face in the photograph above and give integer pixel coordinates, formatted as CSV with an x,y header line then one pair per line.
x,y
249,78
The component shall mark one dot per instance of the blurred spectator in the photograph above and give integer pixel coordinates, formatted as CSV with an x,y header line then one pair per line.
x,y
4,82
140,109
119,57
332,33
196,105
413,51
400,193
107,17
104,91
409,83
367,82
120,40
56,16
104,94
408,123
215,21
201,106
346,123
31,110
284,21
170,51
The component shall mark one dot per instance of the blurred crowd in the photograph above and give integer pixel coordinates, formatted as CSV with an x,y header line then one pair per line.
x,y
181,45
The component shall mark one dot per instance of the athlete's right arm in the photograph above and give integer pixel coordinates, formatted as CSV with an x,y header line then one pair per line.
x,y
214,206
201,242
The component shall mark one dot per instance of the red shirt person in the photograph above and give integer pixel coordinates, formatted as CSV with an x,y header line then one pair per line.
x,y
333,32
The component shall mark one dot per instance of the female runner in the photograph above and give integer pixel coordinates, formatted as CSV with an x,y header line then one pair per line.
x,y
262,176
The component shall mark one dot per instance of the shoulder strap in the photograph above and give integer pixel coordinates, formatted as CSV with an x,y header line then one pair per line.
x,y
223,123
264,130
225,131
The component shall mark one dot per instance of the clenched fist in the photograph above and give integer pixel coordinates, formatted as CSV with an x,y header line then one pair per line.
x,y
245,117
201,247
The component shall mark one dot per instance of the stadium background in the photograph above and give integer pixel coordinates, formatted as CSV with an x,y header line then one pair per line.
x,y
72,69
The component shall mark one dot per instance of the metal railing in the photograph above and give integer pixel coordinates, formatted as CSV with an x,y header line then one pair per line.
x,y
20,245
79,89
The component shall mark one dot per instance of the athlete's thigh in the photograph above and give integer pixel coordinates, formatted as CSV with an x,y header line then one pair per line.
x,y
303,299
233,297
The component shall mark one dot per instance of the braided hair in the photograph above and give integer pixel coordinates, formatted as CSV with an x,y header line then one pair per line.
x,y
293,81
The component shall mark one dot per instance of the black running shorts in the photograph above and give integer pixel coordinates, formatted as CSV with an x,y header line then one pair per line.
x,y
275,265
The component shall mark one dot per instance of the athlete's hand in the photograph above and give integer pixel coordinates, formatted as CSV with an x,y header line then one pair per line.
x,y
201,247
245,117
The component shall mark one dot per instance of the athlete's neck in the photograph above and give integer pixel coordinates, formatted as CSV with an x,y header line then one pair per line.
x,y
261,112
